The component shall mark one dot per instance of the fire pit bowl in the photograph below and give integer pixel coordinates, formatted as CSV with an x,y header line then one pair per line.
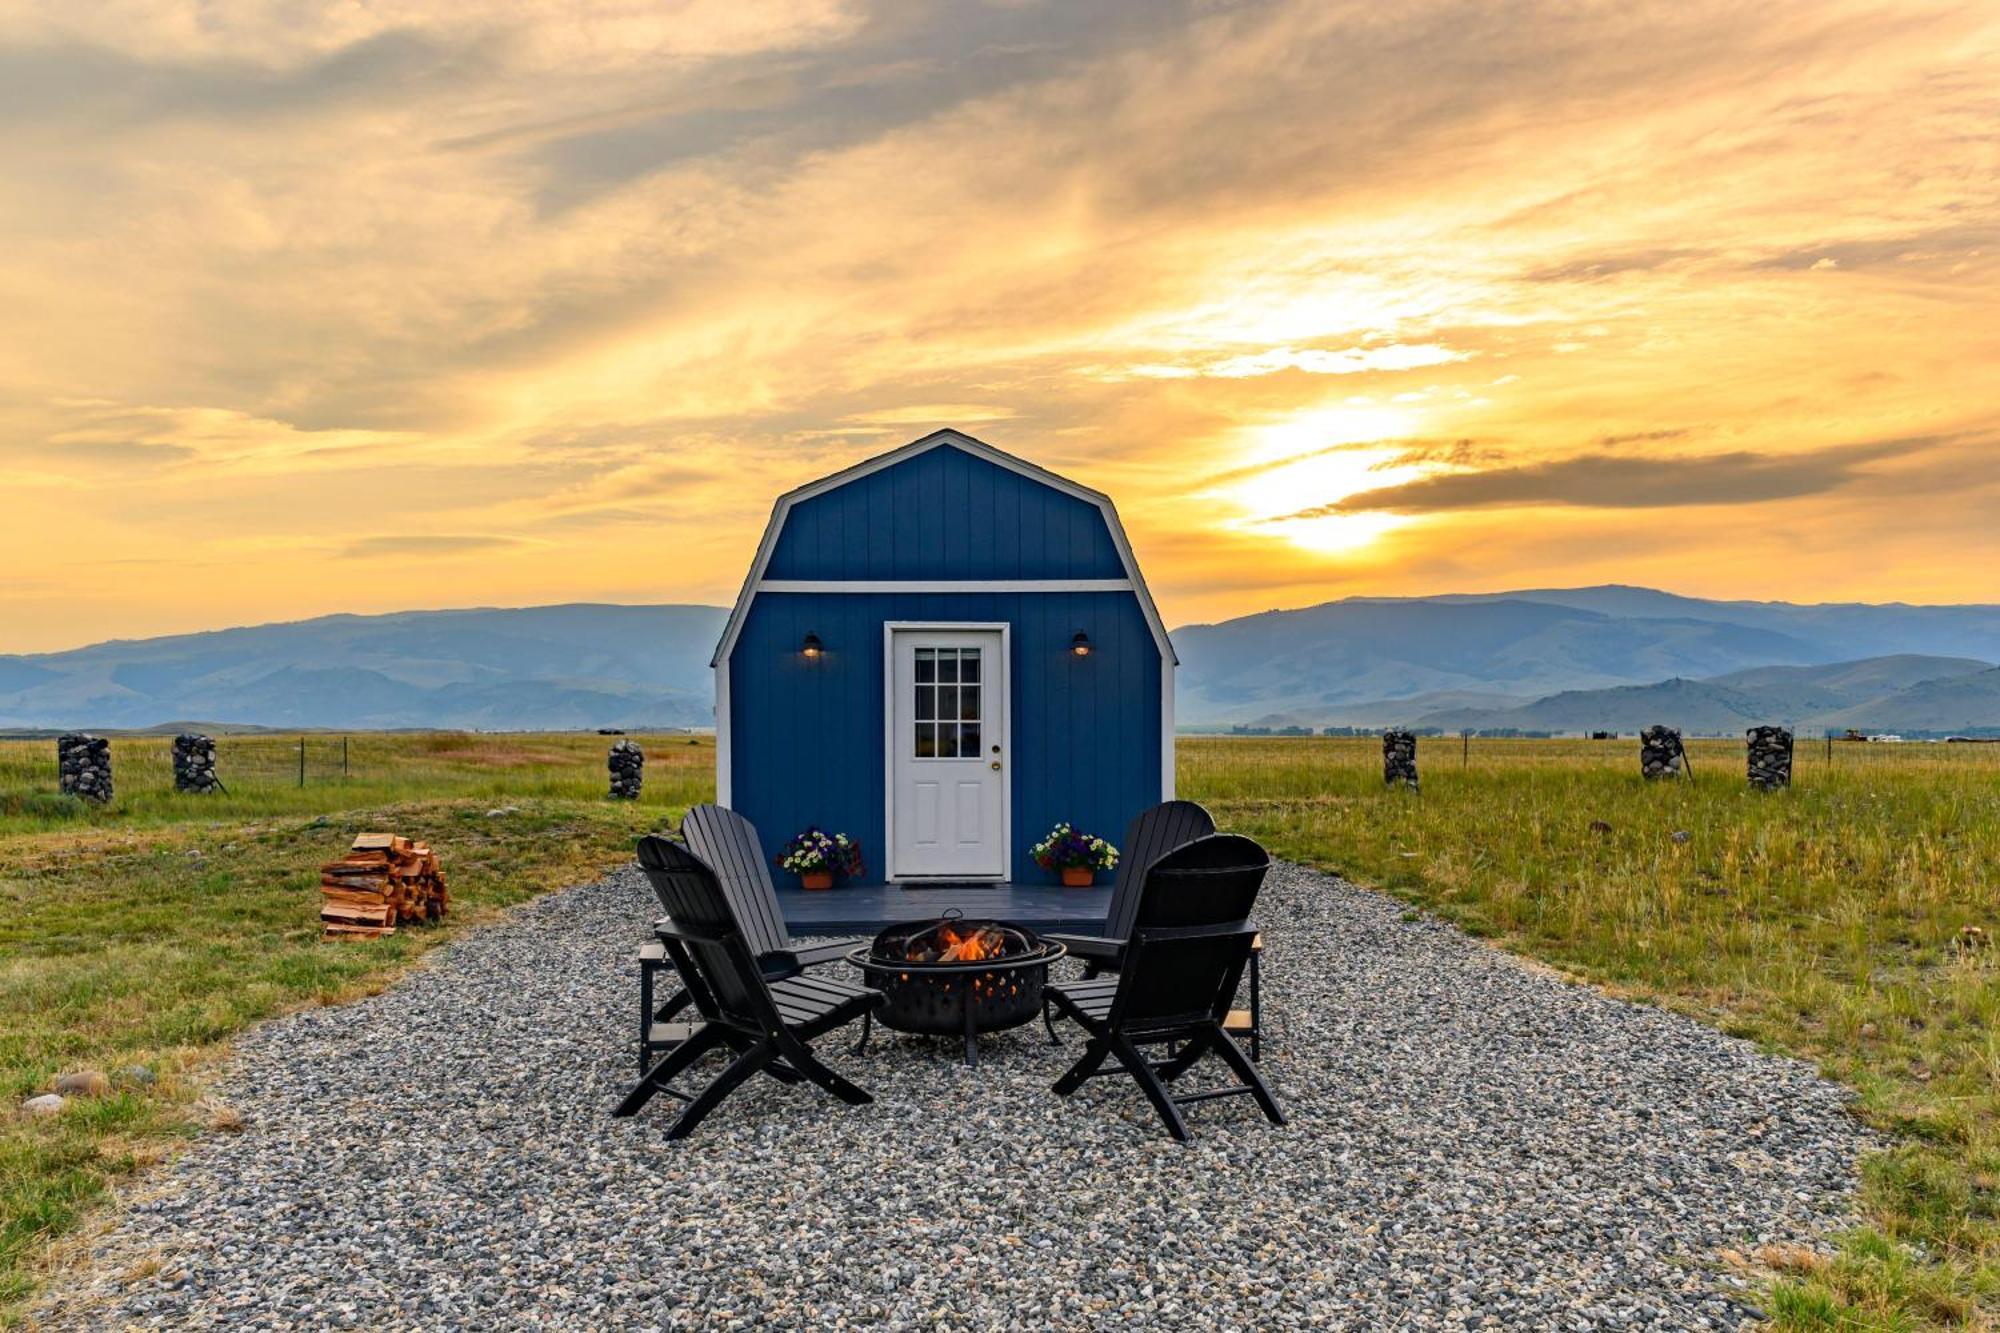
x,y
952,976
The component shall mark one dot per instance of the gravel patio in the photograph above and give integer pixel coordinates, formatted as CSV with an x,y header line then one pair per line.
x,y
1472,1144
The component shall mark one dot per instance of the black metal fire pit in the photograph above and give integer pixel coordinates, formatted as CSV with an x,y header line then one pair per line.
x,y
952,976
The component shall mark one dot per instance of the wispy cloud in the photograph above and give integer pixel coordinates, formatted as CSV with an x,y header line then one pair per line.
x,y
400,544
1312,361
1607,481
938,414
569,293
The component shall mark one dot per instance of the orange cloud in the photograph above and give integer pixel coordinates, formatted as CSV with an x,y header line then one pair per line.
x,y
1312,290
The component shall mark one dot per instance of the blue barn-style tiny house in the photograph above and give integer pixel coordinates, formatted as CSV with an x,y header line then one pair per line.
x,y
944,651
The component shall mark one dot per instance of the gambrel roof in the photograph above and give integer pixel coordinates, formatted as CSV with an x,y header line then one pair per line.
x,y
1133,581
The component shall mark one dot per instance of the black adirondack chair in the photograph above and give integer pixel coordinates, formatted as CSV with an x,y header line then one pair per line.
x,y
727,843
766,1024
1191,939
1151,835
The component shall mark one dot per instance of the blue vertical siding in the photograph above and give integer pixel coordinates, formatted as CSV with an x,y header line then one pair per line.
x,y
807,736
945,514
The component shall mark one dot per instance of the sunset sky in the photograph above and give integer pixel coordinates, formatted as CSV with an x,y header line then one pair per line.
x,y
375,306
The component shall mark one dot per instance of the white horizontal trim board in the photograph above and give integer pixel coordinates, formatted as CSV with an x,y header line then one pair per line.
x,y
944,585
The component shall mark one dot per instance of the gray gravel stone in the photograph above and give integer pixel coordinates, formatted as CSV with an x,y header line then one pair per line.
x,y
1473,1143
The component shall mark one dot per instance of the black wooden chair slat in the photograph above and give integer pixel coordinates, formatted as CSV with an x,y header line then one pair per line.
x,y
814,954
727,843
1154,834
1151,835
803,985
1164,828
1092,948
1191,941
765,1024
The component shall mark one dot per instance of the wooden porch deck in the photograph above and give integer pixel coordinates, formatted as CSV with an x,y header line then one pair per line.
x,y
854,909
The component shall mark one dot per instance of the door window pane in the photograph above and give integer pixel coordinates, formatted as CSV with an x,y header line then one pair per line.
x,y
947,709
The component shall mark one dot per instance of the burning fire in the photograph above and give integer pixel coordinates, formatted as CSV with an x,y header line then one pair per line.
x,y
970,946
961,942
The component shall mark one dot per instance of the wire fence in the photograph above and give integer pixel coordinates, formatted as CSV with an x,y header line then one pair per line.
x,y
319,770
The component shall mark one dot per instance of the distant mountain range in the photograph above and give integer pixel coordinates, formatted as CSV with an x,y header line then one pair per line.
x,y
1903,693
546,667
1575,659
1603,658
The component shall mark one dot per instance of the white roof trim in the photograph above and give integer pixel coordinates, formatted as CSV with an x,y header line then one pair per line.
x,y
978,449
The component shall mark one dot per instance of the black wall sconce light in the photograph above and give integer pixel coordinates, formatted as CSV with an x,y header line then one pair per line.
x,y
1080,645
812,647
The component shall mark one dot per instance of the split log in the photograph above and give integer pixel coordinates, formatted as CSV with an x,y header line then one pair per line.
x,y
385,880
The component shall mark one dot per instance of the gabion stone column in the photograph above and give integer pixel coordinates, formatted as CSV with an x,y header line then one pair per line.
x,y
1660,752
84,763
1770,757
626,763
1399,758
194,764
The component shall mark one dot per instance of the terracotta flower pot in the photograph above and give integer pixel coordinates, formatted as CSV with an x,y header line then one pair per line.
x,y
1078,877
817,879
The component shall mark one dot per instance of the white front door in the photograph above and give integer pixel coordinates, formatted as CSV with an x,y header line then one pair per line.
x,y
947,743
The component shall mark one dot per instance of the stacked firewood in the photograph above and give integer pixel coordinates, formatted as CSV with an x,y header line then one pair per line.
x,y
1770,757
383,881
1399,758
1661,753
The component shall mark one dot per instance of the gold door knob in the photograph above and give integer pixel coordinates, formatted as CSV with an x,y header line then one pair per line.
x,y
996,765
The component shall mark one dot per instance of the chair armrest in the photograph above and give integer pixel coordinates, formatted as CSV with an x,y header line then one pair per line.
x,y
815,954
1257,944
653,953
1090,946
667,930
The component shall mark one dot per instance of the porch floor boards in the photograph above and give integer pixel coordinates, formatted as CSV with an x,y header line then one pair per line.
x,y
854,908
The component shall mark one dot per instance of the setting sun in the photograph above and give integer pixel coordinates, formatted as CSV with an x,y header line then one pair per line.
x,y
1295,470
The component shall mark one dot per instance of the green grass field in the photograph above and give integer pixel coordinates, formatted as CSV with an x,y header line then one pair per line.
x,y
1844,921
1829,921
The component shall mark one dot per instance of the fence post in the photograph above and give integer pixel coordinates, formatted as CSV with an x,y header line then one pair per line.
x,y
302,761
1464,749
343,756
